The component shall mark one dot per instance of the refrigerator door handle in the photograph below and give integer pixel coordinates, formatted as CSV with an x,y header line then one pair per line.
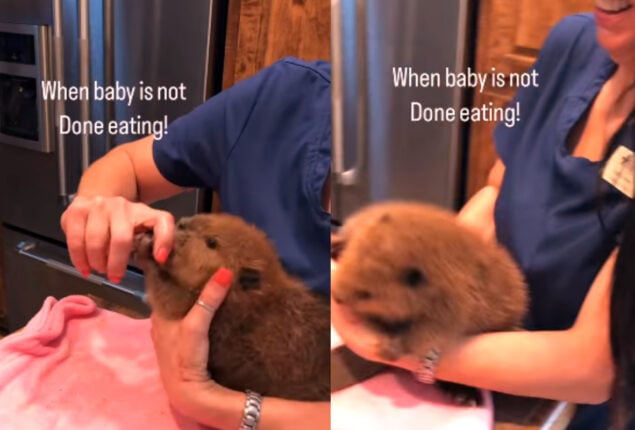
x,y
84,76
60,109
109,63
30,250
336,88
354,175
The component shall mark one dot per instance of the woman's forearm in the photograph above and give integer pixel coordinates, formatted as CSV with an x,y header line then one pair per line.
x,y
224,410
112,175
280,414
573,365
128,171
478,213
558,365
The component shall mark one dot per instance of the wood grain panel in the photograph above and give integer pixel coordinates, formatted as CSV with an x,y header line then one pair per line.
x,y
260,32
510,34
308,34
537,17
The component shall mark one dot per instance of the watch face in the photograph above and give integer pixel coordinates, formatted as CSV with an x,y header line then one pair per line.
x,y
18,107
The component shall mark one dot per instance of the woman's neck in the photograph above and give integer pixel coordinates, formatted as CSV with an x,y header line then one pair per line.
x,y
624,80
610,110
619,95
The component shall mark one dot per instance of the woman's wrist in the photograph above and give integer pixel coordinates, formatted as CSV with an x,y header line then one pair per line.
x,y
251,413
446,360
217,407
224,409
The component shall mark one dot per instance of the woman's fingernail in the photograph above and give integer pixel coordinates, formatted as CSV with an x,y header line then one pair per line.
x,y
162,255
85,273
115,279
223,277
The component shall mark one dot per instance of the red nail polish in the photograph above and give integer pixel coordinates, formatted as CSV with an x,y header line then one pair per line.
x,y
85,273
115,280
223,277
162,255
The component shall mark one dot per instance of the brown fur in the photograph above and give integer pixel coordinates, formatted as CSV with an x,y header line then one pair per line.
x,y
270,335
466,287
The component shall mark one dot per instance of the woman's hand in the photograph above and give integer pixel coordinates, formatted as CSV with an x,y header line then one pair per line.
x,y
362,341
358,338
182,349
100,230
354,336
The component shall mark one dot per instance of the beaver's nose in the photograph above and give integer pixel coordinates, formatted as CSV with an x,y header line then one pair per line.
x,y
183,223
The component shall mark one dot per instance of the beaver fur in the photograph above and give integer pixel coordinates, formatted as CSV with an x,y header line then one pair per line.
x,y
270,335
414,277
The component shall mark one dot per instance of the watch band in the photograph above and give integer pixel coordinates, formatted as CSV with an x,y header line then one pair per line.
x,y
251,413
426,372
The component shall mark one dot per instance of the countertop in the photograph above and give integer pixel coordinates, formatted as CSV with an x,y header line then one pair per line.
x,y
524,413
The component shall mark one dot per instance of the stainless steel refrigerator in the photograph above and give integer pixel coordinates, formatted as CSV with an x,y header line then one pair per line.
x,y
379,152
80,42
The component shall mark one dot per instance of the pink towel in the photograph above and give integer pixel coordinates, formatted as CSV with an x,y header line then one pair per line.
x,y
395,400
75,366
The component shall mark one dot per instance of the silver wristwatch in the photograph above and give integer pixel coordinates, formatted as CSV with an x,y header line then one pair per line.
x,y
426,372
251,414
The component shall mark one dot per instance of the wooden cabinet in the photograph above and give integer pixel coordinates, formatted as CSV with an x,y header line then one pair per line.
x,y
260,32
510,34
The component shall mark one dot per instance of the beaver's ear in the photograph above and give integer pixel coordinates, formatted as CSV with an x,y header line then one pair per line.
x,y
249,279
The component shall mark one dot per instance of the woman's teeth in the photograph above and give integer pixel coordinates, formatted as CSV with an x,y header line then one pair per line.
x,y
614,6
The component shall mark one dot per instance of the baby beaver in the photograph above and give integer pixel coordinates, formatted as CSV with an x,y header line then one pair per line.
x,y
271,334
417,280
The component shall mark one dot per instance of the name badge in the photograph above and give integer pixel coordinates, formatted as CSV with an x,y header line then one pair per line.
x,y
619,170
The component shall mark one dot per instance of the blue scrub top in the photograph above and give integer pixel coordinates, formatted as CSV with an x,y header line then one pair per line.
x,y
265,146
549,207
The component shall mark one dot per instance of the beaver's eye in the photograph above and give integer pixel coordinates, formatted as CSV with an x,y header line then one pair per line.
x,y
413,277
211,243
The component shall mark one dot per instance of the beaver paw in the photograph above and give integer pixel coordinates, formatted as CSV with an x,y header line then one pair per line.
x,y
462,395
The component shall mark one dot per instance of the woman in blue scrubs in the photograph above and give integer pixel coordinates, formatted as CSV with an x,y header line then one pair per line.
x,y
264,145
546,202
